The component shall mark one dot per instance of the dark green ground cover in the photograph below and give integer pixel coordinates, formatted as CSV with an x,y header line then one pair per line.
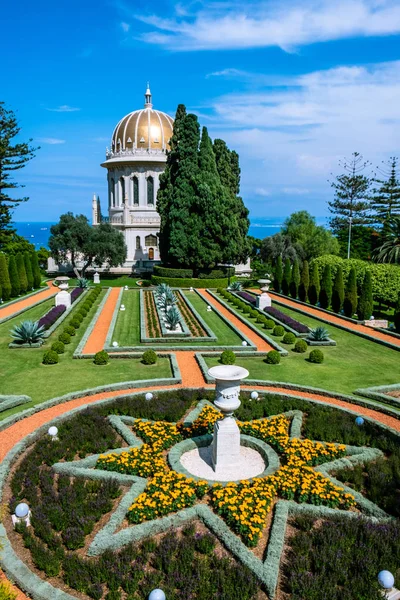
x,y
327,555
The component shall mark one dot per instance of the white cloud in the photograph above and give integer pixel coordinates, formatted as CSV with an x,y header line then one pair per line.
x,y
295,191
125,26
64,108
260,191
50,140
262,23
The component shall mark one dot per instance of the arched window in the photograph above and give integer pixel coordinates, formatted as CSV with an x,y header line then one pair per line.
x,y
122,183
112,192
136,191
151,253
150,190
138,242
150,240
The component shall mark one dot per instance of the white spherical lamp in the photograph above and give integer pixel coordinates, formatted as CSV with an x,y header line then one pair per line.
x,y
191,289
22,510
52,431
149,396
386,580
254,395
157,595
244,343
115,344
209,308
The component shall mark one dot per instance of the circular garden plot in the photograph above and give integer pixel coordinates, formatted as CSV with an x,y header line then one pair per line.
x,y
115,515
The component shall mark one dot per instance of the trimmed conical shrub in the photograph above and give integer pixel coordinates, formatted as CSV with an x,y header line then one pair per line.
x,y
366,301
28,270
397,315
278,275
4,279
13,274
23,280
350,295
37,277
304,282
338,291
295,282
325,295
314,289
287,277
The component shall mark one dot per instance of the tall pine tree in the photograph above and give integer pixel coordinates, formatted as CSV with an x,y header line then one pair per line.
x,y
350,295
385,201
278,275
4,278
366,302
338,291
287,277
13,275
28,270
13,157
325,295
304,282
351,202
314,289
295,282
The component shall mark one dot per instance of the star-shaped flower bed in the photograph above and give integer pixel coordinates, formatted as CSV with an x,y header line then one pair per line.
x,y
160,497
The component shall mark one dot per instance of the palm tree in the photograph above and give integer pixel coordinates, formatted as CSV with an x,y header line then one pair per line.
x,y
389,251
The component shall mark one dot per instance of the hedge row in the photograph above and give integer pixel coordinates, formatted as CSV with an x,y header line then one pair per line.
x,y
219,273
185,283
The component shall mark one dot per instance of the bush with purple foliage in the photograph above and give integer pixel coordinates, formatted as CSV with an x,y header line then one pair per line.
x,y
51,317
76,292
248,297
286,320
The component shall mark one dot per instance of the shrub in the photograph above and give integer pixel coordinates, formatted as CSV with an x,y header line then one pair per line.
x,y
228,357
325,295
6,592
70,330
273,357
295,281
278,275
300,346
58,347
76,292
304,282
174,273
236,286
269,324
75,323
172,318
248,297
101,358
149,357
50,358
195,283
77,317
285,319
28,332
65,337
316,356
4,278
338,291
287,277
350,297
83,282
23,280
365,303
319,334
13,276
289,338
278,330
52,316
314,288
397,315
254,313
83,311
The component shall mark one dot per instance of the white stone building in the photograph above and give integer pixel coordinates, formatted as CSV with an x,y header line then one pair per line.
x,y
134,163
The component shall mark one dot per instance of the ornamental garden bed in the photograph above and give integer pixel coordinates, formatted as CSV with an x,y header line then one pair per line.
x,y
111,459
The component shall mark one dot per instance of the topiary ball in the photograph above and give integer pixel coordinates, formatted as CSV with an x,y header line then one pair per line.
x,y
101,358
273,357
70,330
278,330
77,317
149,357
228,357
64,338
289,338
75,323
58,347
269,323
300,346
50,358
316,356
254,313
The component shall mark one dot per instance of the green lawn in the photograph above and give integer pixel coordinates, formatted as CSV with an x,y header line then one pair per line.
x,y
21,371
127,327
355,362
111,281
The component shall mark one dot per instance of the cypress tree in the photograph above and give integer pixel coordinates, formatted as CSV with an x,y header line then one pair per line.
x,y
4,278
314,289
338,291
13,275
325,295
287,277
397,314
304,282
37,276
295,282
28,270
23,280
278,275
350,296
366,301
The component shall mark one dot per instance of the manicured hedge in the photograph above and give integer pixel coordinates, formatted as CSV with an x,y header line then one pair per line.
x,y
51,317
218,273
248,297
185,283
286,320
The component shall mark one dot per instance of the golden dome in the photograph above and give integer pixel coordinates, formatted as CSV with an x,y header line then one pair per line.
x,y
143,130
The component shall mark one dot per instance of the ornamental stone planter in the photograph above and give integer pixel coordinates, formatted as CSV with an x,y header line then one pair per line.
x,y
327,342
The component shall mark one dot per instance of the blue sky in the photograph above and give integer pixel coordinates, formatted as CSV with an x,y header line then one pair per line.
x,y
293,86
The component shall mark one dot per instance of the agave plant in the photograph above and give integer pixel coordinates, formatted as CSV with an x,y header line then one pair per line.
x,y
172,317
28,332
83,282
319,334
161,290
236,286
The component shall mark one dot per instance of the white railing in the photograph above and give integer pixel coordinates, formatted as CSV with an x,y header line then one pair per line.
x,y
133,152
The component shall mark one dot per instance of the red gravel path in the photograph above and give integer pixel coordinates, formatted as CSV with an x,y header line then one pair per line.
x,y
8,311
98,336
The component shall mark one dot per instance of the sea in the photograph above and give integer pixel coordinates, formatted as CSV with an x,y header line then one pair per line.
x,y
38,232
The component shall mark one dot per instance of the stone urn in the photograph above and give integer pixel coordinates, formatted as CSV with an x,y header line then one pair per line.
x,y
264,299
